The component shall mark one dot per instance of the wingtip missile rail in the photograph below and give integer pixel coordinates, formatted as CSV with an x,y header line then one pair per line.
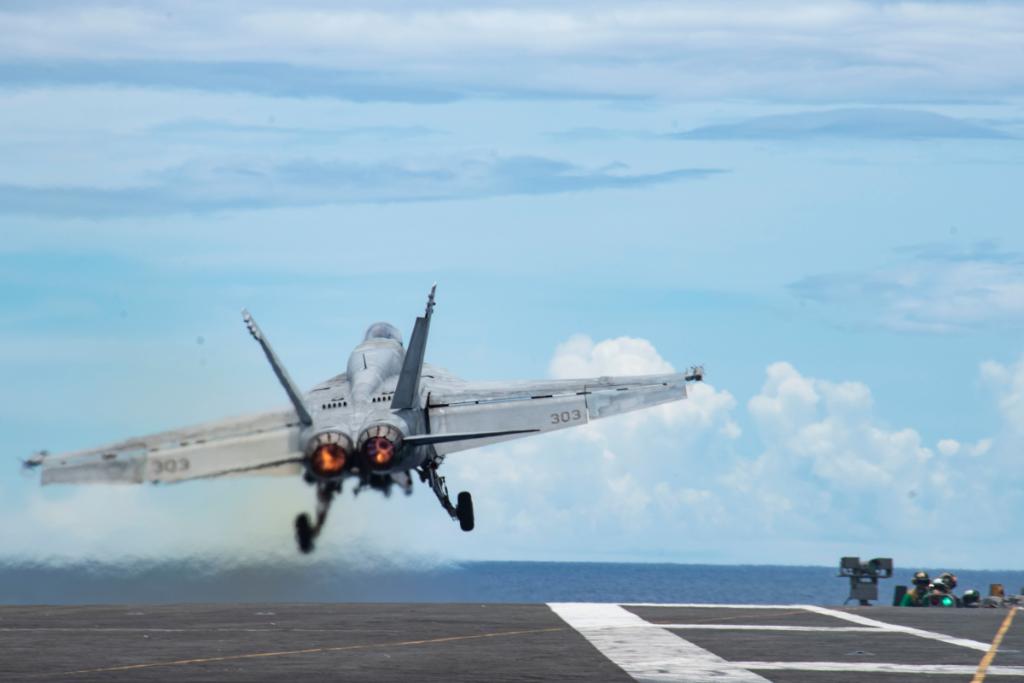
x,y
35,460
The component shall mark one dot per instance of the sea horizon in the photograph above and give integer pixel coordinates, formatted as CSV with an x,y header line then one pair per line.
x,y
282,580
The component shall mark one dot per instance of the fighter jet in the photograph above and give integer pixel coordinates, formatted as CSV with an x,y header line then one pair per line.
x,y
388,418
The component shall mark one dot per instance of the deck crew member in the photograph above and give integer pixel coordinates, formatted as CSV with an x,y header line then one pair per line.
x,y
915,596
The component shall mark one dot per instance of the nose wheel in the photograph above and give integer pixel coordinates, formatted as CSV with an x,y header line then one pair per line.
x,y
306,532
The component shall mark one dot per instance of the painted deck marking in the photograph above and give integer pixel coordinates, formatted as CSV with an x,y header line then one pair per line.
x,y
645,651
311,650
881,667
769,627
983,665
712,605
896,628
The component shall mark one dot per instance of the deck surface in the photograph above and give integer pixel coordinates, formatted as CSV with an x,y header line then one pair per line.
x,y
505,642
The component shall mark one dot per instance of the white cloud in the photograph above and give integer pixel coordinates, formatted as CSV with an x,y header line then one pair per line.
x,y
202,186
796,48
623,486
830,468
1007,381
951,447
940,289
980,448
818,431
581,357
819,474
786,400
704,408
731,430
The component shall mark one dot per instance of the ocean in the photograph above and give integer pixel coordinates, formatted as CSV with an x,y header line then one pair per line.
x,y
193,580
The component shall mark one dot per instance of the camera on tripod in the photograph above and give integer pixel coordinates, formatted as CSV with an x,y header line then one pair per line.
x,y
864,577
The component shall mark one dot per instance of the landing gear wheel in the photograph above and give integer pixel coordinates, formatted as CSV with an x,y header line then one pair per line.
x,y
304,533
464,511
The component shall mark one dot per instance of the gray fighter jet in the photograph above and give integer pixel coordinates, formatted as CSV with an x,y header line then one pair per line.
x,y
388,417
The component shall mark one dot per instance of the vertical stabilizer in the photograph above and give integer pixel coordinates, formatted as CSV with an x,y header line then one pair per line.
x,y
407,393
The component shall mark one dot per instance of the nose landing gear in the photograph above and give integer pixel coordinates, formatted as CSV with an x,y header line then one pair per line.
x,y
305,531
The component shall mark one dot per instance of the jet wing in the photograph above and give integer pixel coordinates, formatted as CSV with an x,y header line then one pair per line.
x,y
266,443
522,408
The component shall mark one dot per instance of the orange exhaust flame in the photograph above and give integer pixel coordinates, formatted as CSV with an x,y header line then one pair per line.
x,y
328,460
379,451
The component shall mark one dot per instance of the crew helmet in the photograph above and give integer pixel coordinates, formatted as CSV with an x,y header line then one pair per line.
x,y
940,595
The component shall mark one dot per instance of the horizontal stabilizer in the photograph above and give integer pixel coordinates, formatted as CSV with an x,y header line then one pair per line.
x,y
427,439
545,405
265,443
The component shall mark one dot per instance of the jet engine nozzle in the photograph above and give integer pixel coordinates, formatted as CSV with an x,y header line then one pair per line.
x,y
327,454
379,445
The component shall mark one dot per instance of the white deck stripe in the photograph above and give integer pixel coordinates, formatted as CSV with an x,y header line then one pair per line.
x,y
896,628
880,667
646,653
710,605
846,616
771,627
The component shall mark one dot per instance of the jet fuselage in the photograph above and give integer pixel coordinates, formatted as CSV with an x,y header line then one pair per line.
x,y
357,406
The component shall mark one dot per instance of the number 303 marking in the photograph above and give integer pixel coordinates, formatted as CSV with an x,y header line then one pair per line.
x,y
566,416
170,465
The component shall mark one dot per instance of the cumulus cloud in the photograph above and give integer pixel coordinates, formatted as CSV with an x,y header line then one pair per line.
x,y
828,429
830,468
817,474
934,289
705,407
622,479
795,49
951,447
201,187
1007,382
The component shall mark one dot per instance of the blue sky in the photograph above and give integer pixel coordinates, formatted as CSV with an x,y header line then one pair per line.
x,y
820,203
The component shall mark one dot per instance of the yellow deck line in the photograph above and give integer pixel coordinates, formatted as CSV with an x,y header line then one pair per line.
x,y
983,665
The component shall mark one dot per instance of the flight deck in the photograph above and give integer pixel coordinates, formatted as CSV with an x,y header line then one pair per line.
x,y
509,642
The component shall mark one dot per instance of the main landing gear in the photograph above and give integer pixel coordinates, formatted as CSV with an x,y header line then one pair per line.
x,y
463,511
305,531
